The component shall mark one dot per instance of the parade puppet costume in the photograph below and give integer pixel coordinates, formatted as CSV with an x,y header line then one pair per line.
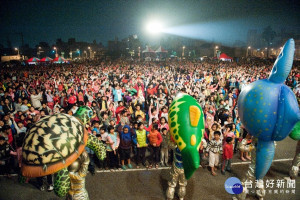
x,y
269,110
55,145
186,122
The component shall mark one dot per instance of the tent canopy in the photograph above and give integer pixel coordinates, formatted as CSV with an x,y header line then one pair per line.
x,y
223,56
161,50
59,60
33,59
148,50
46,59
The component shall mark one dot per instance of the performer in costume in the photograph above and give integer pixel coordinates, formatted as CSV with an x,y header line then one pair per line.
x,y
250,177
295,135
177,174
55,145
77,172
296,163
269,110
186,122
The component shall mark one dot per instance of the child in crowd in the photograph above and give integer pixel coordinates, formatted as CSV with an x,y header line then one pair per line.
x,y
229,120
141,143
155,140
102,136
153,113
246,147
214,149
164,113
18,126
5,150
227,155
104,118
203,158
139,112
112,123
236,137
228,132
238,124
125,147
163,123
133,129
164,148
139,118
113,142
124,118
215,127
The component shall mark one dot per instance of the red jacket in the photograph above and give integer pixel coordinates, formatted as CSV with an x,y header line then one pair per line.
x,y
10,138
152,91
155,137
227,151
118,111
72,99
60,87
56,99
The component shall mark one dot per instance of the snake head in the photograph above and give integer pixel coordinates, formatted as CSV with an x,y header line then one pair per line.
x,y
84,114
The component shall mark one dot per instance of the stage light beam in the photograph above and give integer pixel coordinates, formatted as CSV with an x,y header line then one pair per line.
x,y
154,27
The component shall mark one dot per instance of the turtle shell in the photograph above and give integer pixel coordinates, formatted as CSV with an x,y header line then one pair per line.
x,y
53,143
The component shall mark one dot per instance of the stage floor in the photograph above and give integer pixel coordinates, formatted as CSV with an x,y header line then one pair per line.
x,y
140,184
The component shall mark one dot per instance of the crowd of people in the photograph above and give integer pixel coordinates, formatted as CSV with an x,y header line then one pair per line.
x,y
130,102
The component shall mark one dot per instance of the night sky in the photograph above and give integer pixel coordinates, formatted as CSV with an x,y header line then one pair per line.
x,y
86,20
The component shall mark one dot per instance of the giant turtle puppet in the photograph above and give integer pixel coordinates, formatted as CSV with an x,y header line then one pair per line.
x,y
269,110
56,142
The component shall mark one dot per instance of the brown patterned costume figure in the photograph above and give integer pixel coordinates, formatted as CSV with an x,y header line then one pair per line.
x,y
77,172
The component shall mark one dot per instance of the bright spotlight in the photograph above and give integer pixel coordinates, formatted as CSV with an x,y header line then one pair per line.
x,y
154,27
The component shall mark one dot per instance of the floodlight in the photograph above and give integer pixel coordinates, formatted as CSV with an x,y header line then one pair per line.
x,y
154,27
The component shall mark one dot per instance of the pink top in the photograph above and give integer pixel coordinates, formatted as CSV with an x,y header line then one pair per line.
x,y
96,88
166,125
229,134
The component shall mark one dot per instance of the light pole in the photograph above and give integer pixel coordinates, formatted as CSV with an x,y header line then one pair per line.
x,y
78,51
89,48
39,52
248,49
216,50
272,51
183,51
56,55
266,52
139,53
16,49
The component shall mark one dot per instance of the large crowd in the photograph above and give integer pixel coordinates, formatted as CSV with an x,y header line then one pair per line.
x,y
130,102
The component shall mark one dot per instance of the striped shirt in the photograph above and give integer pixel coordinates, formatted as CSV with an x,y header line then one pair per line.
x,y
215,146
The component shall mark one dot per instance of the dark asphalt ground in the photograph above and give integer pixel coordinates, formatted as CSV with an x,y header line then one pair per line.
x,y
152,184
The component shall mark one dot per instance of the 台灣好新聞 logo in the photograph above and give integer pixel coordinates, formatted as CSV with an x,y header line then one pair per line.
x,y
233,185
